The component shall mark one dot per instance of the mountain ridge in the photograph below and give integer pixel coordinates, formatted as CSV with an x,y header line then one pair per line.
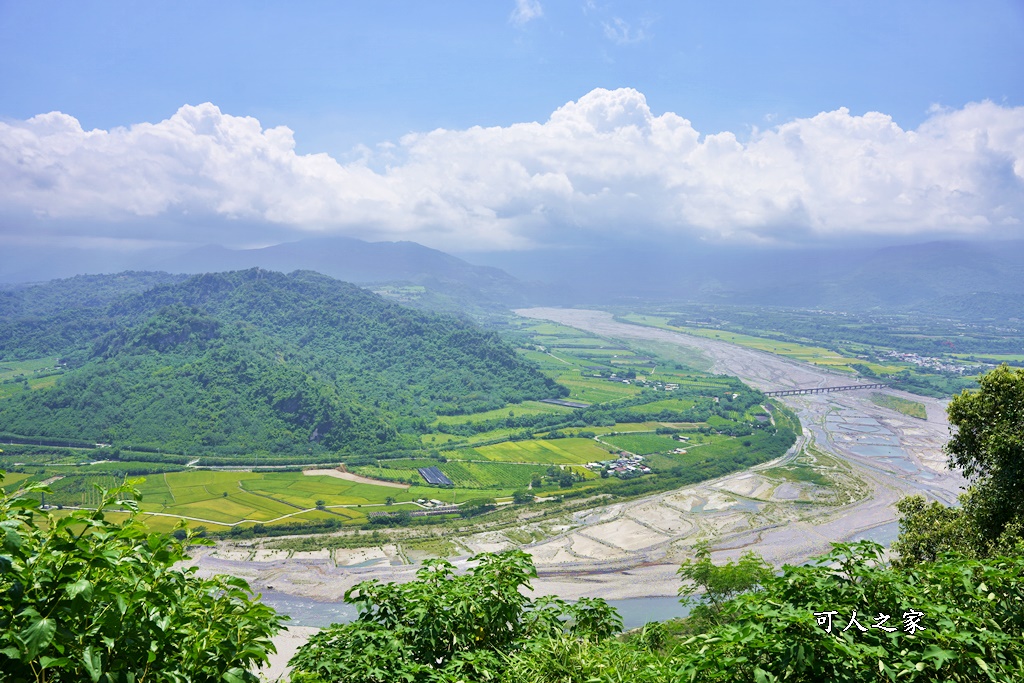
x,y
257,360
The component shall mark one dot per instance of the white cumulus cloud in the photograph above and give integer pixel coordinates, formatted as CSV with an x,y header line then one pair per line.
x,y
525,12
603,164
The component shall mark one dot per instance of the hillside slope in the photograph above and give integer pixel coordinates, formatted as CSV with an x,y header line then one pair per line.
x,y
260,361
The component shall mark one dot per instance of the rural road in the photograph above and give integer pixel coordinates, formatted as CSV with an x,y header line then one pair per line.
x,y
633,549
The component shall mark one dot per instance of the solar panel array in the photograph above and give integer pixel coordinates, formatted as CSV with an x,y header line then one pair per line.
x,y
435,476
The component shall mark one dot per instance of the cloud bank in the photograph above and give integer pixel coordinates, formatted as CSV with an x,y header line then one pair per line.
x,y
603,165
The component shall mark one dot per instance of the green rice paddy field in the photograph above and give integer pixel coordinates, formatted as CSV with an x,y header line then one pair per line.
x,y
644,444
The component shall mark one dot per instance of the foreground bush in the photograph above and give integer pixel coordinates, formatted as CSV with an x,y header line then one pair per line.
x,y
955,619
84,598
972,612
447,627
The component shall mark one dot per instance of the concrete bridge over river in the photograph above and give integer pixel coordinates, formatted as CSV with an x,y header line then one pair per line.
x,y
825,390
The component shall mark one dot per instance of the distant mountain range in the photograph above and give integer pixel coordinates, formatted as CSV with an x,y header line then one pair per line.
x,y
968,280
958,278
449,282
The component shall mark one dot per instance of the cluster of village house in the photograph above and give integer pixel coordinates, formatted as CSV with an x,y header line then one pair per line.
x,y
640,381
626,466
929,362
432,503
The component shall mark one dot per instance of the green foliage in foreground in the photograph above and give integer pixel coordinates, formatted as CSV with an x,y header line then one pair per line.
x,y
479,627
972,614
445,626
718,583
988,447
86,599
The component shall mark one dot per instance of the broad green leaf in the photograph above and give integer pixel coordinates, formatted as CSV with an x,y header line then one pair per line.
x,y
37,636
81,587
51,662
234,675
93,663
12,539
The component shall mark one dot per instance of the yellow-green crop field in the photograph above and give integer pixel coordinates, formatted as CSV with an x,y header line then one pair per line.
x,y
263,497
541,451
625,427
546,361
499,478
667,404
500,433
603,352
594,390
524,408
12,480
8,390
644,443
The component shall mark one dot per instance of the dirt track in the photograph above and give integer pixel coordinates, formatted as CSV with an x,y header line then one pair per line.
x,y
348,476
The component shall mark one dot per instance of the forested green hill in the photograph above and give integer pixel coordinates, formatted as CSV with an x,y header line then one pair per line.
x,y
60,316
260,361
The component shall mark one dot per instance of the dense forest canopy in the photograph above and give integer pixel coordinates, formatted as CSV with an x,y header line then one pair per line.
x,y
256,361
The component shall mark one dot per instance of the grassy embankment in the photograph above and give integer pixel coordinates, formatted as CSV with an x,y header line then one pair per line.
x,y
901,405
807,353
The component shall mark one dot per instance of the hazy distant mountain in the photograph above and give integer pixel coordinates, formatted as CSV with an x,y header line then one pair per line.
x,y
963,279
973,279
450,281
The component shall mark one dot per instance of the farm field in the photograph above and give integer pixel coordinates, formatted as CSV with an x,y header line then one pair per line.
x,y
667,404
230,497
541,451
9,389
432,440
524,408
605,353
486,475
644,444
622,427
12,368
498,479
596,390
997,357
12,480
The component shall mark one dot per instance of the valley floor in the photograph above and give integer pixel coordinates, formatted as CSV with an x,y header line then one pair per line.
x,y
854,460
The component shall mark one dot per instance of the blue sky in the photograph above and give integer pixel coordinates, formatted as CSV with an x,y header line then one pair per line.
x,y
351,79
